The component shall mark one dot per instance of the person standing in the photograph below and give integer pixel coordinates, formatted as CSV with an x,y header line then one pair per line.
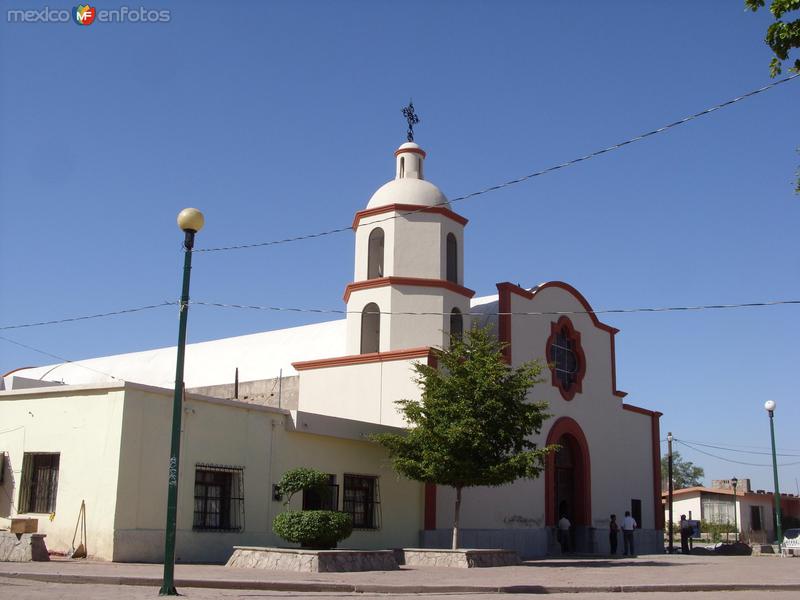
x,y
628,525
563,533
613,531
686,533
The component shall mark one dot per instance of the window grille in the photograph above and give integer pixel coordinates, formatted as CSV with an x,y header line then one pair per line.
x,y
717,509
39,482
564,360
362,501
324,499
218,498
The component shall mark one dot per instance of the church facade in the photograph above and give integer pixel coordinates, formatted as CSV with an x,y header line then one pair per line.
x,y
408,295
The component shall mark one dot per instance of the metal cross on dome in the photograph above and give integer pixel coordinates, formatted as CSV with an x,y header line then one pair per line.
x,y
412,118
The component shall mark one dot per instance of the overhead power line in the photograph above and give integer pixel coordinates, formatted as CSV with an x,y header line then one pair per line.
x,y
730,460
338,311
57,357
730,449
511,182
124,311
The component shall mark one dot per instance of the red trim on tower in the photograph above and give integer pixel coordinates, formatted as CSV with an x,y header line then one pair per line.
x,y
416,208
655,434
430,506
419,151
360,359
583,479
505,289
412,281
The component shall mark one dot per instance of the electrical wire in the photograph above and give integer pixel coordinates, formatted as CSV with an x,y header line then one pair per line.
x,y
730,460
56,356
728,449
511,182
339,311
124,311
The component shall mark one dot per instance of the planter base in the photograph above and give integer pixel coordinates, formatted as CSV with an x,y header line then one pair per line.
x,y
22,547
312,561
461,558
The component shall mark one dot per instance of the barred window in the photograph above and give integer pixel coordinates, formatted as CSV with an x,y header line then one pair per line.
x,y
566,359
324,499
218,498
39,482
717,508
362,500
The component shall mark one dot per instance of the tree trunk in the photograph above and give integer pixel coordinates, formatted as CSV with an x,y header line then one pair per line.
x,y
455,520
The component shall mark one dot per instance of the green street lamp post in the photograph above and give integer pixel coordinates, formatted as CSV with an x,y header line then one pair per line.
x,y
769,405
734,483
190,220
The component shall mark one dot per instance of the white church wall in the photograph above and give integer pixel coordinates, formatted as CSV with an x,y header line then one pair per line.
x,y
414,331
82,425
530,333
418,242
363,392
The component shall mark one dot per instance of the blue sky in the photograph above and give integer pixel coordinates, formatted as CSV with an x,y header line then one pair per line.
x,y
279,119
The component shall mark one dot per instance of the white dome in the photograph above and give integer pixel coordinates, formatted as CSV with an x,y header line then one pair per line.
x,y
407,191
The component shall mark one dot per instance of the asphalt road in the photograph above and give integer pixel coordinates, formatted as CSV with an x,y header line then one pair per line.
x,y
19,589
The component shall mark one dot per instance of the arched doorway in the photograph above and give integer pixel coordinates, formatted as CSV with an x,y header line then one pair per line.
x,y
568,487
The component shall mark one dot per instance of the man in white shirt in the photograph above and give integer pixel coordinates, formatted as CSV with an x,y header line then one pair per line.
x,y
563,533
628,525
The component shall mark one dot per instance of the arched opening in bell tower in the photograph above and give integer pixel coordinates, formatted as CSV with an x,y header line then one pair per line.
x,y
375,254
452,258
456,324
370,328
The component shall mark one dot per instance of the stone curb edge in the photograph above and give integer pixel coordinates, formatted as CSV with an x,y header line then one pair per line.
x,y
291,586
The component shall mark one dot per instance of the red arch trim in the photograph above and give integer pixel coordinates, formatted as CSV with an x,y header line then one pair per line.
x,y
583,488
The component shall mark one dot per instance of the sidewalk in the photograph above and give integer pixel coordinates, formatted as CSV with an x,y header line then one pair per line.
x,y
656,573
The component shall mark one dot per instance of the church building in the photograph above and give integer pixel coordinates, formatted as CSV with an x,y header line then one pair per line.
x,y
97,431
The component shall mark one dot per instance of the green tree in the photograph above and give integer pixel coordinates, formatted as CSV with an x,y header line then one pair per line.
x,y
684,473
473,424
782,37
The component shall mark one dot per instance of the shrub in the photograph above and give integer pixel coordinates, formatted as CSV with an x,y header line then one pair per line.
x,y
318,529
302,478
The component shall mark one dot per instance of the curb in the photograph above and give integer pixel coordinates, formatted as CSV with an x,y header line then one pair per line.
x,y
290,586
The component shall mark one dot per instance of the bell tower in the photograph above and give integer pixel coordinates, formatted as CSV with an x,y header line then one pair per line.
x,y
409,259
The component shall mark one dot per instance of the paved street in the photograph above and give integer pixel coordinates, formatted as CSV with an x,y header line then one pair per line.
x,y
703,576
31,590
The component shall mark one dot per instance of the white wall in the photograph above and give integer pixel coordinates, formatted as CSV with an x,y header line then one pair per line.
x,y
83,426
620,441
363,392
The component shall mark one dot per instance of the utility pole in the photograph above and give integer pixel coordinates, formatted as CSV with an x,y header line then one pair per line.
x,y
671,546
